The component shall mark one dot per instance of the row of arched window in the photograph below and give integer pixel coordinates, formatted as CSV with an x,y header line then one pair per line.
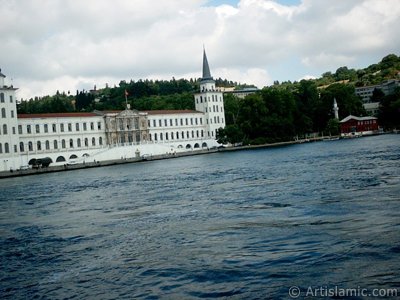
x,y
176,135
2,99
6,148
63,144
4,114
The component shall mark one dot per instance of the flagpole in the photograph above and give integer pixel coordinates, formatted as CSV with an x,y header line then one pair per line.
x,y
126,99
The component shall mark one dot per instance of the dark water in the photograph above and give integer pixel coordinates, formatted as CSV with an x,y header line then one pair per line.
x,y
242,225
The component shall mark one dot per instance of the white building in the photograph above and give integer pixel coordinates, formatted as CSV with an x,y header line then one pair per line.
x,y
366,92
210,102
65,138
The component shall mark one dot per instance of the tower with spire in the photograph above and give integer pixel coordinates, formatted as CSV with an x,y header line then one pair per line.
x,y
210,101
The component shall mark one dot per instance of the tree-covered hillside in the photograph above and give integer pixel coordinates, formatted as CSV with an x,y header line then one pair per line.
x,y
276,113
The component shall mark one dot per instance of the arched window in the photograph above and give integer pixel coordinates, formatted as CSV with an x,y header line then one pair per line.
x,y
5,129
21,147
6,148
71,143
30,146
79,143
47,145
55,144
3,112
93,142
86,142
2,97
100,141
63,144
60,158
73,156
39,145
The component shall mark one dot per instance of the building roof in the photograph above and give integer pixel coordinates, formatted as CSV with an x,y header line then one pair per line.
x,y
57,115
170,112
206,68
350,117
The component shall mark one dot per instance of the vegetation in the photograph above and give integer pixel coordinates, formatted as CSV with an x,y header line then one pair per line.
x,y
280,112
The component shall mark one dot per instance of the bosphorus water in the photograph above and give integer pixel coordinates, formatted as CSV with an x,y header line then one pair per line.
x,y
241,225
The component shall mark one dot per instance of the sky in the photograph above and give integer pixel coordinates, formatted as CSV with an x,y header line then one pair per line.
x,y
69,45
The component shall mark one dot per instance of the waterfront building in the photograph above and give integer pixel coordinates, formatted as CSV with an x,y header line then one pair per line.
x,y
355,126
69,138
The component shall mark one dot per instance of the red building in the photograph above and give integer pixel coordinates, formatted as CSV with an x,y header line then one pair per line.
x,y
352,125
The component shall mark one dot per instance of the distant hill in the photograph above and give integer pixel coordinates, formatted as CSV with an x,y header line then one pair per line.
x,y
178,93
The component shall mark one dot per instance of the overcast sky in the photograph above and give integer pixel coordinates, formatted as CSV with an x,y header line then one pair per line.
x,y
50,45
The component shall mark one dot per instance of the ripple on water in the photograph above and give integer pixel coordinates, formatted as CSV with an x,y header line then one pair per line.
x,y
240,225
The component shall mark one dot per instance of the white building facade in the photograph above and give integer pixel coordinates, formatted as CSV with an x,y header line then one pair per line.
x,y
65,138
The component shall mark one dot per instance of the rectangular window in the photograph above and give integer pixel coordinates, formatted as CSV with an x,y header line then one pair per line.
x,y
37,128
54,127
186,121
99,125
91,126
154,123
20,129
11,99
176,122
148,123
171,122
62,127
69,127
166,136
12,114
191,121
159,123
165,122
46,128
13,130
84,126
77,126
15,149
181,122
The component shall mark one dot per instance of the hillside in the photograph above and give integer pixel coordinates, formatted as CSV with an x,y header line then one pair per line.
x,y
178,94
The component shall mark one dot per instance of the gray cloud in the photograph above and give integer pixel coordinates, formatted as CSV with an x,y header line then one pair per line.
x,y
56,44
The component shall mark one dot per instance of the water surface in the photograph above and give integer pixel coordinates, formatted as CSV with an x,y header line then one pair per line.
x,y
241,225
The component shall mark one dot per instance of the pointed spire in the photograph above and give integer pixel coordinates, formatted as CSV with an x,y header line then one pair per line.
x,y
206,68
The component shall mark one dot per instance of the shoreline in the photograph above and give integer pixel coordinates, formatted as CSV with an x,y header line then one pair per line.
x,y
98,164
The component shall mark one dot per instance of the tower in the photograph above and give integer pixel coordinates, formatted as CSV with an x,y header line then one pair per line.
x,y
210,101
9,138
335,109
